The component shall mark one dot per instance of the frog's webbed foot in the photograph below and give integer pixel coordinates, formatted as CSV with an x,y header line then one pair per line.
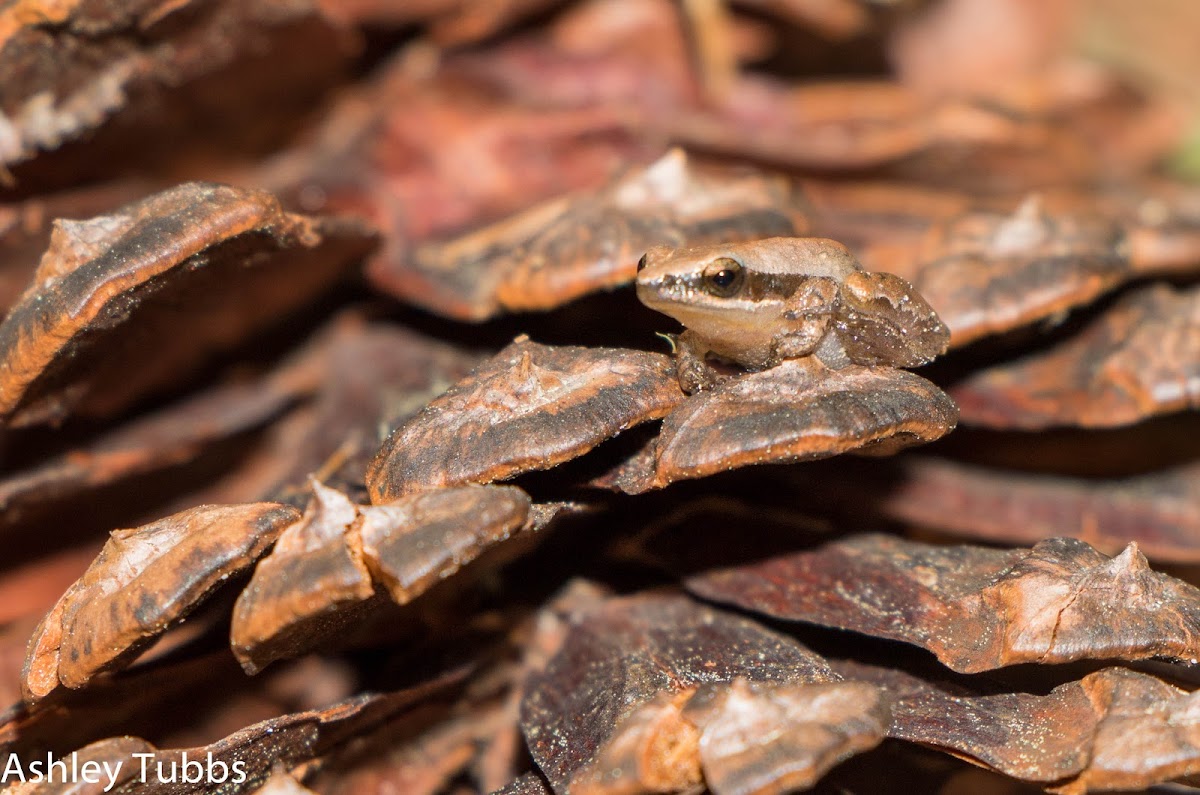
x,y
692,367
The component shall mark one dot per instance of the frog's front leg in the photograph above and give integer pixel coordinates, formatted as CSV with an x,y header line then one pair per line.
x,y
808,319
692,366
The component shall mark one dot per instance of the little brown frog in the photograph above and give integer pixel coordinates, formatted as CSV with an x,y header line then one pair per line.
x,y
757,304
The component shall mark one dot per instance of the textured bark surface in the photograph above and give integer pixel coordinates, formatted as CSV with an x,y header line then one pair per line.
x,y
656,693
291,287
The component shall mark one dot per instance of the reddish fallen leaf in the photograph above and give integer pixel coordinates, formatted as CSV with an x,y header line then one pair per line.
x,y
25,228
992,265
1140,358
976,608
647,692
797,411
528,408
568,247
144,581
113,287
326,567
1159,511
28,591
843,126
1114,729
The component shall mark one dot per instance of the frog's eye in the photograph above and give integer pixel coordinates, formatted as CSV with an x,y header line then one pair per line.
x,y
723,276
642,264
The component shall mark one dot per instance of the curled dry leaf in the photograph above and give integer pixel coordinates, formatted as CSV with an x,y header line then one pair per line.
x,y
976,608
25,228
325,567
568,247
81,63
413,542
528,408
185,273
798,411
1138,359
315,571
1114,729
657,693
1160,511
144,581
986,272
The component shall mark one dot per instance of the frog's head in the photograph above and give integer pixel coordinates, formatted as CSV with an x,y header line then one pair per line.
x,y
751,277
694,278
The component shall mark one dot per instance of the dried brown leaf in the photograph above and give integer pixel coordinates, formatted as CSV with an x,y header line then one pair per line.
x,y
326,568
797,411
647,689
314,572
528,408
976,608
1140,358
780,738
184,273
568,247
1114,729
144,581
842,126
414,542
